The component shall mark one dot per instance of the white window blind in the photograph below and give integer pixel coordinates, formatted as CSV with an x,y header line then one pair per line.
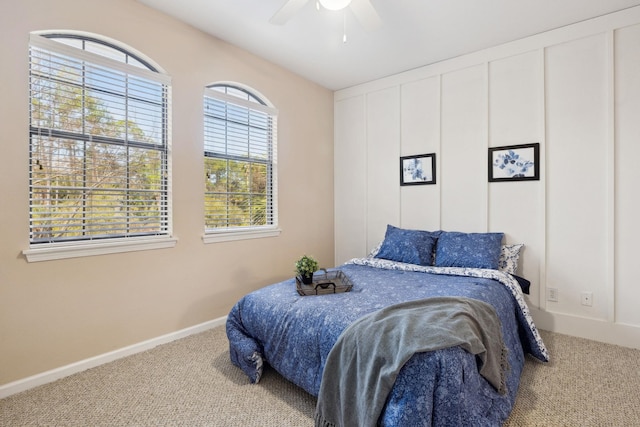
x,y
239,160
99,149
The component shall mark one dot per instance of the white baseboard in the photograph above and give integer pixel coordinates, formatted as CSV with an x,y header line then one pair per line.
x,y
584,327
64,371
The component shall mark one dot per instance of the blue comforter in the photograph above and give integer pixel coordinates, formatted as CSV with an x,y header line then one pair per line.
x,y
294,335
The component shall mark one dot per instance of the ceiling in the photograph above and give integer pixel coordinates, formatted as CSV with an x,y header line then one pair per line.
x,y
414,33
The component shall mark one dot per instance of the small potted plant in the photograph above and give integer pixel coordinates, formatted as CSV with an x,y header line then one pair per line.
x,y
305,267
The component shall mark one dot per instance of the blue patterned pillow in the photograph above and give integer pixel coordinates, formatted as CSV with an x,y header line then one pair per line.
x,y
469,250
408,246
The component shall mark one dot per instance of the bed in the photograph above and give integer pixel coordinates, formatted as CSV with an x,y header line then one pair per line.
x,y
295,334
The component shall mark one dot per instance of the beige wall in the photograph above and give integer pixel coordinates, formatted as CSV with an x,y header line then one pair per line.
x,y
54,313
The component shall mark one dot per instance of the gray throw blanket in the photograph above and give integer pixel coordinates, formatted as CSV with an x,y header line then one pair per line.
x,y
362,366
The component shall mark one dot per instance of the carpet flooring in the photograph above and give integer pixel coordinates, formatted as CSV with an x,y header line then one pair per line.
x,y
191,382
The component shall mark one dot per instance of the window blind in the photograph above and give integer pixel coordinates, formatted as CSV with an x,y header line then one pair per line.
x,y
240,160
99,151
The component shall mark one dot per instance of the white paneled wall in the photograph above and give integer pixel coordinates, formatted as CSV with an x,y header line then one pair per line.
x,y
464,150
420,134
627,175
516,116
577,173
383,147
350,170
576,91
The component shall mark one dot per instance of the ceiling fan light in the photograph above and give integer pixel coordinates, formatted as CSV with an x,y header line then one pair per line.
x,y
334,4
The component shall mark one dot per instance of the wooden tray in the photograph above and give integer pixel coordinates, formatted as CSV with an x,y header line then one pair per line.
x,y
328,282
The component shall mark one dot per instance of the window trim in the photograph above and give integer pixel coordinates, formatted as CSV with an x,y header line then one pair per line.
x,y
217,235
48,252
240,234
41,41
81,248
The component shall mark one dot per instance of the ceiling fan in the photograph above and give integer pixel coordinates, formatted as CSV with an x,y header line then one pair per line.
x,y
363,10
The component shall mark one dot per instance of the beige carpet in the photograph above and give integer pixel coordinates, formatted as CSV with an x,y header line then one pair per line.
x,y
191,382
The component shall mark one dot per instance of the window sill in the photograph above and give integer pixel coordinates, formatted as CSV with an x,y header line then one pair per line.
x,y
49,252
232,235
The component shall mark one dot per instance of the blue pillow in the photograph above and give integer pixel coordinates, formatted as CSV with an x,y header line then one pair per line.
x,y
408,246
469,250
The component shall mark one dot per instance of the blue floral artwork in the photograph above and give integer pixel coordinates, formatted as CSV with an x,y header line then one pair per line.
x,y
416,170
514,163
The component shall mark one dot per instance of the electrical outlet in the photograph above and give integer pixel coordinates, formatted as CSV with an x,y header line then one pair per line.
x,y
552,294
586,298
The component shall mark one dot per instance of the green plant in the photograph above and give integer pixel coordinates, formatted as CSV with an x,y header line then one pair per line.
x,y
306,265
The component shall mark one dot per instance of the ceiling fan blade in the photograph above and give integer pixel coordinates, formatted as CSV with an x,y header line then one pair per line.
x,y
366,14
290,8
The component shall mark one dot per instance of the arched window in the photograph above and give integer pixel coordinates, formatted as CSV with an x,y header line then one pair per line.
x,y
98,143
239,162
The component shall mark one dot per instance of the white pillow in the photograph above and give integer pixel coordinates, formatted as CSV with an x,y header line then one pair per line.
x,y
509,256
375,250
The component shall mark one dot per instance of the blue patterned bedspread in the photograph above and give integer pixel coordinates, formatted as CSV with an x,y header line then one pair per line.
x,y
294,335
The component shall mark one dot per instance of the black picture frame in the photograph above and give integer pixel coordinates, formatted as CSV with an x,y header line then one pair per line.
x,y
418,170
514,163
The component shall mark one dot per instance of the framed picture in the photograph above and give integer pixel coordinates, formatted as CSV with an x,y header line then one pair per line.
x,y
514,163
418,170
